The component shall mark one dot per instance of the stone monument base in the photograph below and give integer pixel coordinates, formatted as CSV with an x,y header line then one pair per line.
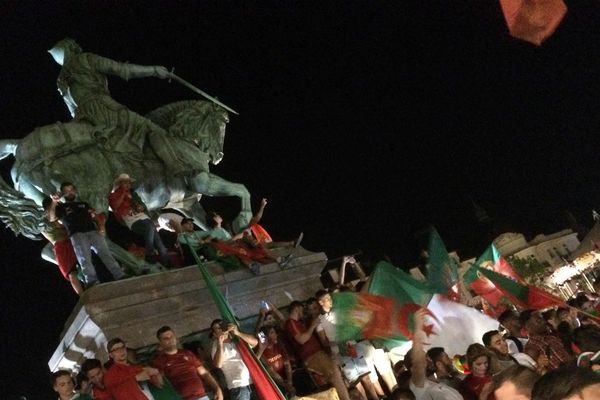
x,y
133,309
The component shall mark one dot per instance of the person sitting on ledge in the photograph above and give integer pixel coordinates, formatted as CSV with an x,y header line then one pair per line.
x,y
249,252
196,240
129,209
256,234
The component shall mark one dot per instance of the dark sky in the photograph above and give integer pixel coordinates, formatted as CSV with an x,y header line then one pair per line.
x,y
361,121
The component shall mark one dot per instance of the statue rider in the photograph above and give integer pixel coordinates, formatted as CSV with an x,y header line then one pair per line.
x,y
83,85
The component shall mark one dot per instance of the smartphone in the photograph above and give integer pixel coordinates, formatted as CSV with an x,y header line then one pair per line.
x,y
264,305
261,337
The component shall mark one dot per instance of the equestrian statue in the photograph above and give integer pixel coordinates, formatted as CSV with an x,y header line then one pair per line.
x,y
167,151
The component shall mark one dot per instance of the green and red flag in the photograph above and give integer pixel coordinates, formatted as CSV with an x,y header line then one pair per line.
x,y
265,387
515,292
442,271
491,259
538,299
365,316
484,286
494,279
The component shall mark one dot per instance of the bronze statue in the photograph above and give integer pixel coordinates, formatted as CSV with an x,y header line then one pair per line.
x,y
168,151
73,152
83,85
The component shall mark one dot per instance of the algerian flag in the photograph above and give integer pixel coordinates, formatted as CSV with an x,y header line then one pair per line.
x,y
389,281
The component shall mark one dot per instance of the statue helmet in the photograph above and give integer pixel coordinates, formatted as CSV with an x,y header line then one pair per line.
x,y
64,47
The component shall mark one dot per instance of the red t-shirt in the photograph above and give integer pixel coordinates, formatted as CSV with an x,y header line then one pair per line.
x,y
120,382
274,356
182,370
293,328
125,207
101,394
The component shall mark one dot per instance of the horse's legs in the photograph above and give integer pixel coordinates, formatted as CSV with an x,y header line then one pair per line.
x,y
213,185
31,191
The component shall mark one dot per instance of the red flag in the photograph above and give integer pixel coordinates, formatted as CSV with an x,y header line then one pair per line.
x,y
538,299
533,20
264,386
503,267
486,289
260,234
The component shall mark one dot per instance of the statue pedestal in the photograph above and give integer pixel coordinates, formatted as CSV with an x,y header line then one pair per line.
x,y
133,309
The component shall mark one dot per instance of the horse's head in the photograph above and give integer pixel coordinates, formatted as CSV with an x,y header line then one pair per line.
x,y
204,125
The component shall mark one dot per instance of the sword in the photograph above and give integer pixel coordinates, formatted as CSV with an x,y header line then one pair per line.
x,y
200,92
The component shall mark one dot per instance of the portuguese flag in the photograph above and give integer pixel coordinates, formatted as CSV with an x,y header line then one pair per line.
x,y
494,279
385,310
365,316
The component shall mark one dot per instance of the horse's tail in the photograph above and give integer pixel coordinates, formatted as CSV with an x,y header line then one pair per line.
x,y
17,212
8,147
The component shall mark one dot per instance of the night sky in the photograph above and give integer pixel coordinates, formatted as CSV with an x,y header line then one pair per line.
x,y
362,122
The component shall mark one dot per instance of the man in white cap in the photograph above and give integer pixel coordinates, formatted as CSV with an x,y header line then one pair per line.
x,y
129,209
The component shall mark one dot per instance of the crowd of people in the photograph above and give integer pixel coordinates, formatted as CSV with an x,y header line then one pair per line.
x,y
74,229
533,354
530,355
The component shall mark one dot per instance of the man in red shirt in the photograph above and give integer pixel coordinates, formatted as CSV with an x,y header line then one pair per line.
x,y
183,368
309,349
121,379
275,358
130,211
93,370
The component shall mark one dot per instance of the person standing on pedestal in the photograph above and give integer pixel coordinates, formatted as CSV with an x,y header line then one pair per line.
x,y
76,216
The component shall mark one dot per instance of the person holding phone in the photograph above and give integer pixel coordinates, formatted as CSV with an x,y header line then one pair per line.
x,y
275,358
226,356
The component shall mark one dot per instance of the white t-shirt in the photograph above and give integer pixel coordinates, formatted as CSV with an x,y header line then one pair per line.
x,y
327,324
235,371
512,347
434,391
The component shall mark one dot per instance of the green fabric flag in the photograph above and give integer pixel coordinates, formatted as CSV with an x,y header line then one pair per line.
x,y
389,281
442,272
166,392
264,384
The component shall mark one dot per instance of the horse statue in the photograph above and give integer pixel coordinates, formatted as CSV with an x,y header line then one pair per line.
x,y
85,155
